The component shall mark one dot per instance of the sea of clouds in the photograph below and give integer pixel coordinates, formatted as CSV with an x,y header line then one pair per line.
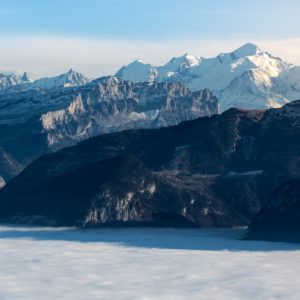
x,y
143,264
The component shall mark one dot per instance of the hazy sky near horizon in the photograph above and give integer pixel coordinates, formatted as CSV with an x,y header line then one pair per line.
x,y
99,36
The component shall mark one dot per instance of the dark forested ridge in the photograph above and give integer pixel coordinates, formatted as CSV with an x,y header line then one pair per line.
x,y
213,171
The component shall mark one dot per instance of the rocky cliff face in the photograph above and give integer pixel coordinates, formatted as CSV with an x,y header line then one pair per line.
x,y
110,104
36,121
2,182
215,171
9,167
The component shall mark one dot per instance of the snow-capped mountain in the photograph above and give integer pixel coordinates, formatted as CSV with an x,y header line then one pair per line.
x,y
10,80
177,65
247,77
137,71
71,78
24,82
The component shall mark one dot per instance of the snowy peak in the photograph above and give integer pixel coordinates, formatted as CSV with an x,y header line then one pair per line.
x,y
138,62
137,71
13,79
248,49
7,81
71,78
178,65
25,78
186,59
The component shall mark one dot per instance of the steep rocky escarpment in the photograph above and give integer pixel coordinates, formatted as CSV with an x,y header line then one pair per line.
x,y
122,191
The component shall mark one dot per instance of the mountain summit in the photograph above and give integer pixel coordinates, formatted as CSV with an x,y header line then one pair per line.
x,y
71,78
248,49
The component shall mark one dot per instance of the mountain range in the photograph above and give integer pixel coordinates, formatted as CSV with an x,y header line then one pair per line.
x,y
190,167
212,171
10,80
19,82
34,121
247,77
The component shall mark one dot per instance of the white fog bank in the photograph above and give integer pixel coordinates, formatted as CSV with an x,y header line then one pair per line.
x,y
144,264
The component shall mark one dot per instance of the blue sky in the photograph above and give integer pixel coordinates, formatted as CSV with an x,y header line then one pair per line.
x,y
203,27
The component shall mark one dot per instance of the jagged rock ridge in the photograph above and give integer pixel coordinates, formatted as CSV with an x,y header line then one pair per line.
x,y
36,121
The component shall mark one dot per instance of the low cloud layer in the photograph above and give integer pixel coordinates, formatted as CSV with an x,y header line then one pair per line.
x,y
144,264
46,56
